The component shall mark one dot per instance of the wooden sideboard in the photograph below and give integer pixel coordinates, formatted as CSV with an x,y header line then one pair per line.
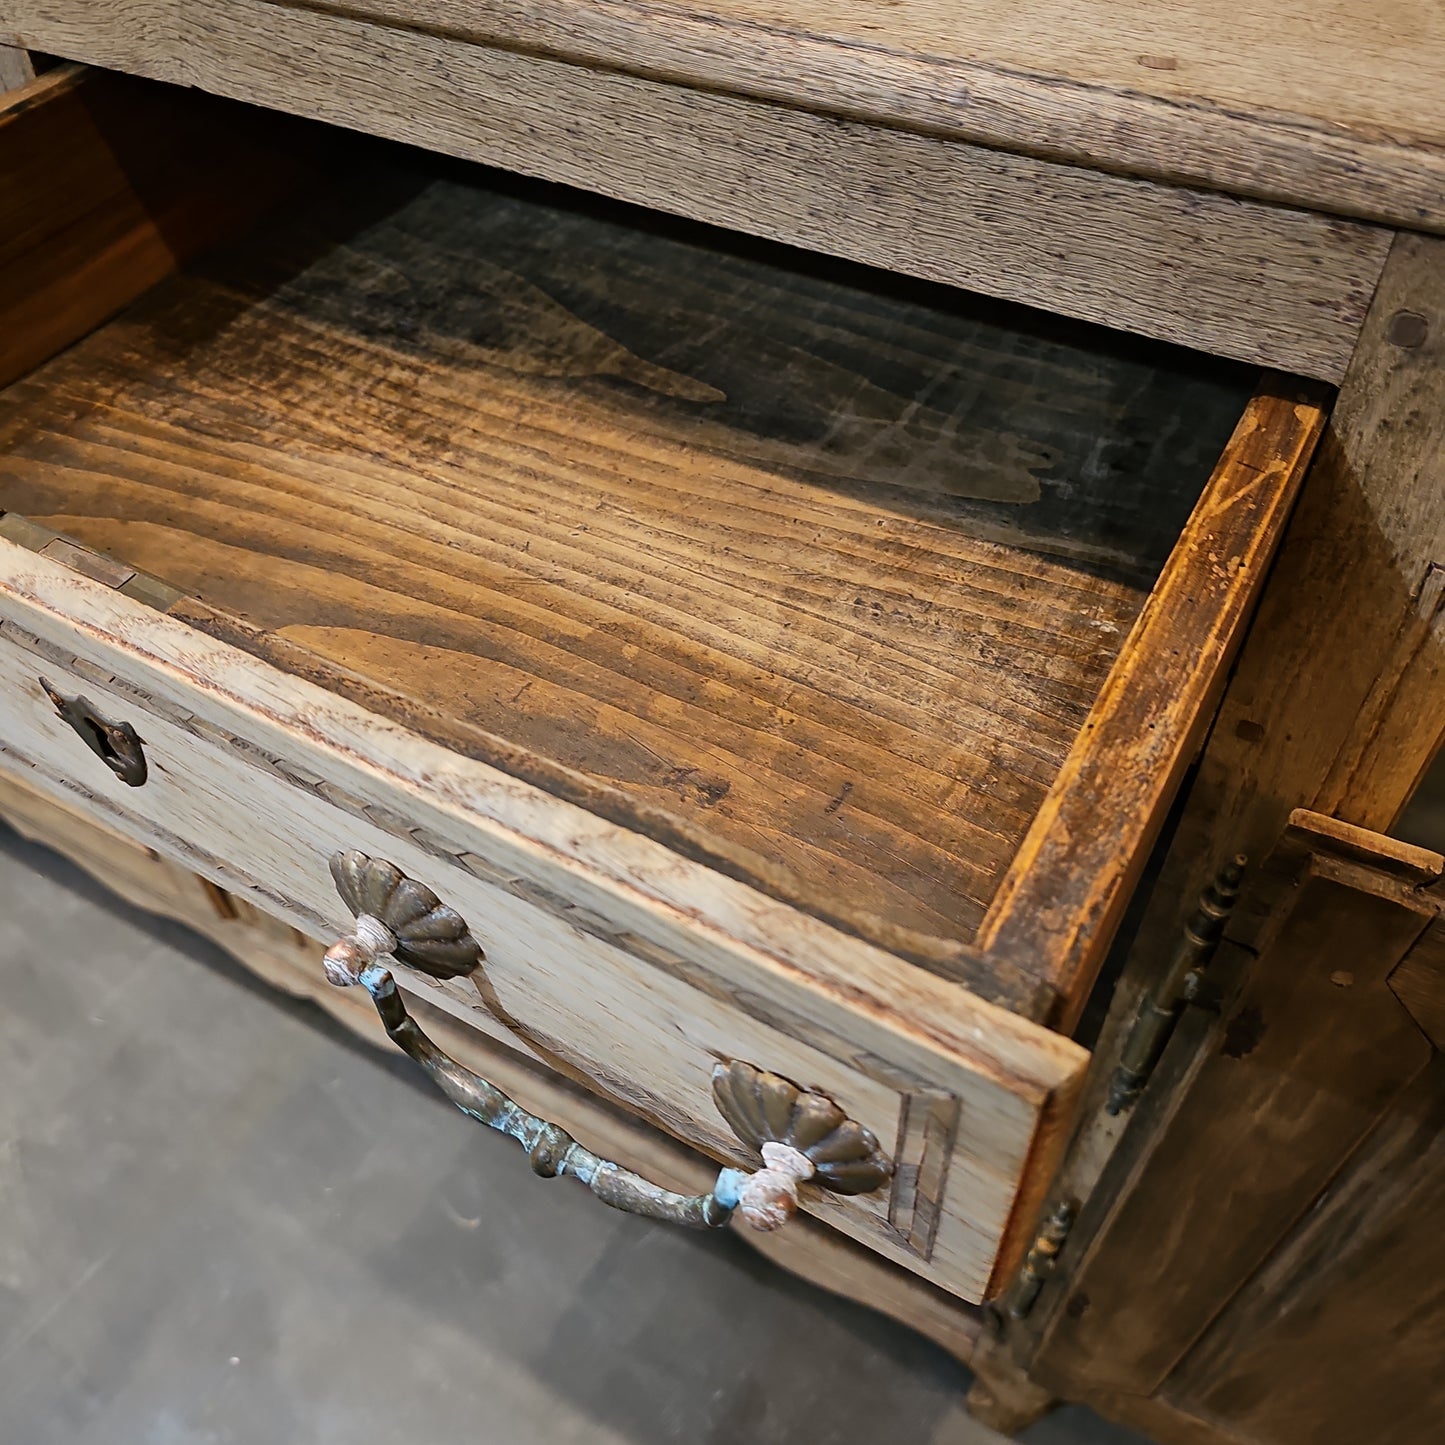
x,y
671,853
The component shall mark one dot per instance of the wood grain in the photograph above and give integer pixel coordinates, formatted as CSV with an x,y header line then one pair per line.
x,y
1337,659
288,960
1158,1420
1306,1058
1337,702
1337,111
1160,260
1002,1397
1068,885
1340,623
108,184
607,953
1357,573
819,570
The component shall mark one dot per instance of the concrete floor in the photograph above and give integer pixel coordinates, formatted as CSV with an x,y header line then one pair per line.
x,y
225,1222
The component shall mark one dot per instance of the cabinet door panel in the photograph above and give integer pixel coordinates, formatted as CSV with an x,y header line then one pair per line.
x,y
1312,1052
1358,1288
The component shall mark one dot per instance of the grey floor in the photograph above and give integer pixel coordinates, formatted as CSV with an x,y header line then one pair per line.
x,y
224,1222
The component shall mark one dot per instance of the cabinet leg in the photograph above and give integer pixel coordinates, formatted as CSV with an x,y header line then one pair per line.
x,y
1008,1410
1003,1397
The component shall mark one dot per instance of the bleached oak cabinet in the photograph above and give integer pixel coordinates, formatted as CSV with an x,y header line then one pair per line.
x,y
718,551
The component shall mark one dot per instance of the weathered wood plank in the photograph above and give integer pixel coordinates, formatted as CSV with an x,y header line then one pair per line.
x,y
1337,661
1161,260
15,68
813,571
1156,1419
106,186
1340,620
1339,112
1340,623
1419,983
1409,863
1308,1056
1339,1337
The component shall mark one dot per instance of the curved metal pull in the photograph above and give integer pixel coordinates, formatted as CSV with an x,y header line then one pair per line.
x,y
116,744
800,1135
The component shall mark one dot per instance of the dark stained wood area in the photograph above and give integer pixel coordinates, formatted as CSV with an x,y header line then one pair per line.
x,y
108,183
820,569
1238,1134
1361,1280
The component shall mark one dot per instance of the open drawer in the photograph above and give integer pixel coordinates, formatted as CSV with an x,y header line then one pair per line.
x,y
770,660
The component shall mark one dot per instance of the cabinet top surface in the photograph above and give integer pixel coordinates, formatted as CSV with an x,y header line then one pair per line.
x,y
1334,106
1376,66
1329,106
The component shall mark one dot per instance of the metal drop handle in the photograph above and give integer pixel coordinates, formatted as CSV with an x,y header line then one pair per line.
x,y
799,1134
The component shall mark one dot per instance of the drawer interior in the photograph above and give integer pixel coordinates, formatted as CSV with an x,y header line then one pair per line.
x,y
811,572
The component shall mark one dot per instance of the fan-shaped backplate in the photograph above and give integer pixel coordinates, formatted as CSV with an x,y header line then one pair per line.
x,y
761,1107
430,936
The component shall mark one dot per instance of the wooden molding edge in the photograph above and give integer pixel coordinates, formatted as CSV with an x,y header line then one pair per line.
x,y
1064,894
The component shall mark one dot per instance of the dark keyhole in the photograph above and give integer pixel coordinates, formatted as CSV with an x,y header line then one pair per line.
x,y
100,743
116,744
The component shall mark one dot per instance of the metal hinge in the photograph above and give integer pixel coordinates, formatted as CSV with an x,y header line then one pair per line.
x,y
1181,983
1040,1261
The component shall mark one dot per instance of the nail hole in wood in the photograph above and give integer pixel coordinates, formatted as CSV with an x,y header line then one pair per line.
x,y
1408,329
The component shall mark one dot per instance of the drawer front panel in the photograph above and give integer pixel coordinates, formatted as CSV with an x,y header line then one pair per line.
x,y
286,960
584,964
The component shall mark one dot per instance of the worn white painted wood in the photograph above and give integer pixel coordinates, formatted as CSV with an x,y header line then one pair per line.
x,y
1266,284
287,960
628,966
